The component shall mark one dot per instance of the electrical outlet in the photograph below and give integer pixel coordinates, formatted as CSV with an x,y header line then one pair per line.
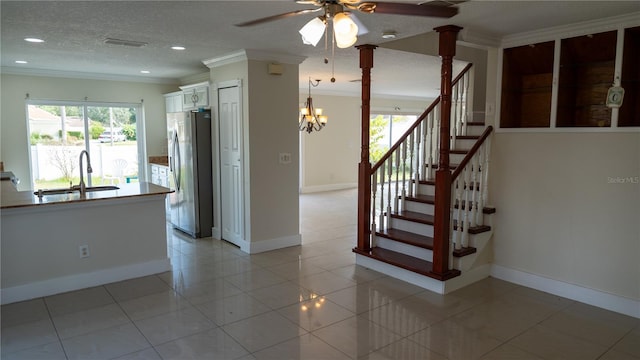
x,y
84,251
284,158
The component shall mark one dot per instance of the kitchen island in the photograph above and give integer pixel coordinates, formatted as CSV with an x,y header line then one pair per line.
x,y
65,242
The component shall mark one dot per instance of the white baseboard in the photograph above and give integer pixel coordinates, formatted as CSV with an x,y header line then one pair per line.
x,y
255,247
585,295
81,281
328,187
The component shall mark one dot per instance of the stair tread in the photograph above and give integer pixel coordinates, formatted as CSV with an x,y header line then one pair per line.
x,y
464,251
468,137
407,237
426,199
406,262
475,123
430,199
414,216
458,151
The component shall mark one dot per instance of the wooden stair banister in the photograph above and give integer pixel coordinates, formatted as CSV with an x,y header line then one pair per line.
x,y
447,50
472,152
406,199
364,168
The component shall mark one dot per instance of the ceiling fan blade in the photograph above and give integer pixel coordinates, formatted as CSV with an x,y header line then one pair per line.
x,y
424,9
277,17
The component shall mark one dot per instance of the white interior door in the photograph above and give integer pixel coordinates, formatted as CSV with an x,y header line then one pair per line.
x,y
232,199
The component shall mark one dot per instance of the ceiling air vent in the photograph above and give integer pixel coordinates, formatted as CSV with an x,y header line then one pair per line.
x,y
131,43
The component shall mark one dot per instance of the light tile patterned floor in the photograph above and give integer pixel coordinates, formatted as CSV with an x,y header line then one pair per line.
x,y
306,302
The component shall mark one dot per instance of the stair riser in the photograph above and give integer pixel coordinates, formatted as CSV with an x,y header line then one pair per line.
x,y
464,144
418,252
456,158
475,130
414,227
425,189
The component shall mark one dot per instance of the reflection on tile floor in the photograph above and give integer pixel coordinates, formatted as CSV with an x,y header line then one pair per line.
x,y
306,302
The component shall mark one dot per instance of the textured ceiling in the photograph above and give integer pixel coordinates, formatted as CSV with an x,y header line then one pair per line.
x,y
74,33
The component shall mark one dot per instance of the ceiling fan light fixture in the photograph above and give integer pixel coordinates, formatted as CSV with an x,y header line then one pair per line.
x,y
345,30
312,31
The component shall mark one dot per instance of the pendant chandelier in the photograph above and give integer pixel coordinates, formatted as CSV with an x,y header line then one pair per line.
x,y
311,118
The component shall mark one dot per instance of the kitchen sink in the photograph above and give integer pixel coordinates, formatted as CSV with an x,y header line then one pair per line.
x,y
44,192
101,188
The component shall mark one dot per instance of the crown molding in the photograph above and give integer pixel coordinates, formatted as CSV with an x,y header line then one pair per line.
x,y
12,70
572,30
251,54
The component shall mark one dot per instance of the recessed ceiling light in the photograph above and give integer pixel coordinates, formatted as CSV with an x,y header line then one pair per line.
x,y
178,47
389,35
145,71
21,62
33,40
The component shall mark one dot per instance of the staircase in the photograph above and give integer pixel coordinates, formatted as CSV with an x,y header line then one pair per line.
x,y
404,236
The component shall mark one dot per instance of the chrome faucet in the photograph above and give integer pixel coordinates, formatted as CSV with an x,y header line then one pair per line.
x,y
82,186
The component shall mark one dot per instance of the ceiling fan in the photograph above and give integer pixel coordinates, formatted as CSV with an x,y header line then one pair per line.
x,y
346,26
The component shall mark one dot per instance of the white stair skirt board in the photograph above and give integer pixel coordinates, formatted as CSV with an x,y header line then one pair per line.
x,y
425,282
401,274
585,295
82,281
255,247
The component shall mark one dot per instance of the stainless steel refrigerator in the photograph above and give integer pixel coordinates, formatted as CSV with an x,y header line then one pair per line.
x,y
189,136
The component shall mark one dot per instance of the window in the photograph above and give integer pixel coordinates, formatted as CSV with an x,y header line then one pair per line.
x,y
59,131
384,131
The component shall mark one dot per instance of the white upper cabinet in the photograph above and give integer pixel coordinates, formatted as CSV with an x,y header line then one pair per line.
x,y
173,102
195,96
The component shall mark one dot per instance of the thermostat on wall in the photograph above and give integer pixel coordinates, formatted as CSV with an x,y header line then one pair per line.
x,y
615,96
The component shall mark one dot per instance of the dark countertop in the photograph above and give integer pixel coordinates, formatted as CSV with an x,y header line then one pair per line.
x,y
11,198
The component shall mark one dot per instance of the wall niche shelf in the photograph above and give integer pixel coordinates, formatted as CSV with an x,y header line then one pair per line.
x,y
563,83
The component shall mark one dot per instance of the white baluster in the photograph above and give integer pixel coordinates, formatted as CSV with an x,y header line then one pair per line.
x,y
465,104
459,183
436,145
401,167
417,150
411,157
374,191
453,131
381,173
390,172
430,140
485,174
398,191
474,182
425,147
465,205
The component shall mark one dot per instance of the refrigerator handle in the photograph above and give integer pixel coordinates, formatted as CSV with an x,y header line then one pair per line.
x,y
176,155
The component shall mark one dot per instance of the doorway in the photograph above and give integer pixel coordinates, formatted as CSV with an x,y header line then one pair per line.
x,y
230,147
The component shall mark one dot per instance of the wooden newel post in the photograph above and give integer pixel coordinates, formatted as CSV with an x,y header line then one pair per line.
x,y
364,168
447,50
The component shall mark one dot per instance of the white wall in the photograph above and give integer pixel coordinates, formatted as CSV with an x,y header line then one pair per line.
x,y
330,157
14,137
269,120
559,213
273,109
